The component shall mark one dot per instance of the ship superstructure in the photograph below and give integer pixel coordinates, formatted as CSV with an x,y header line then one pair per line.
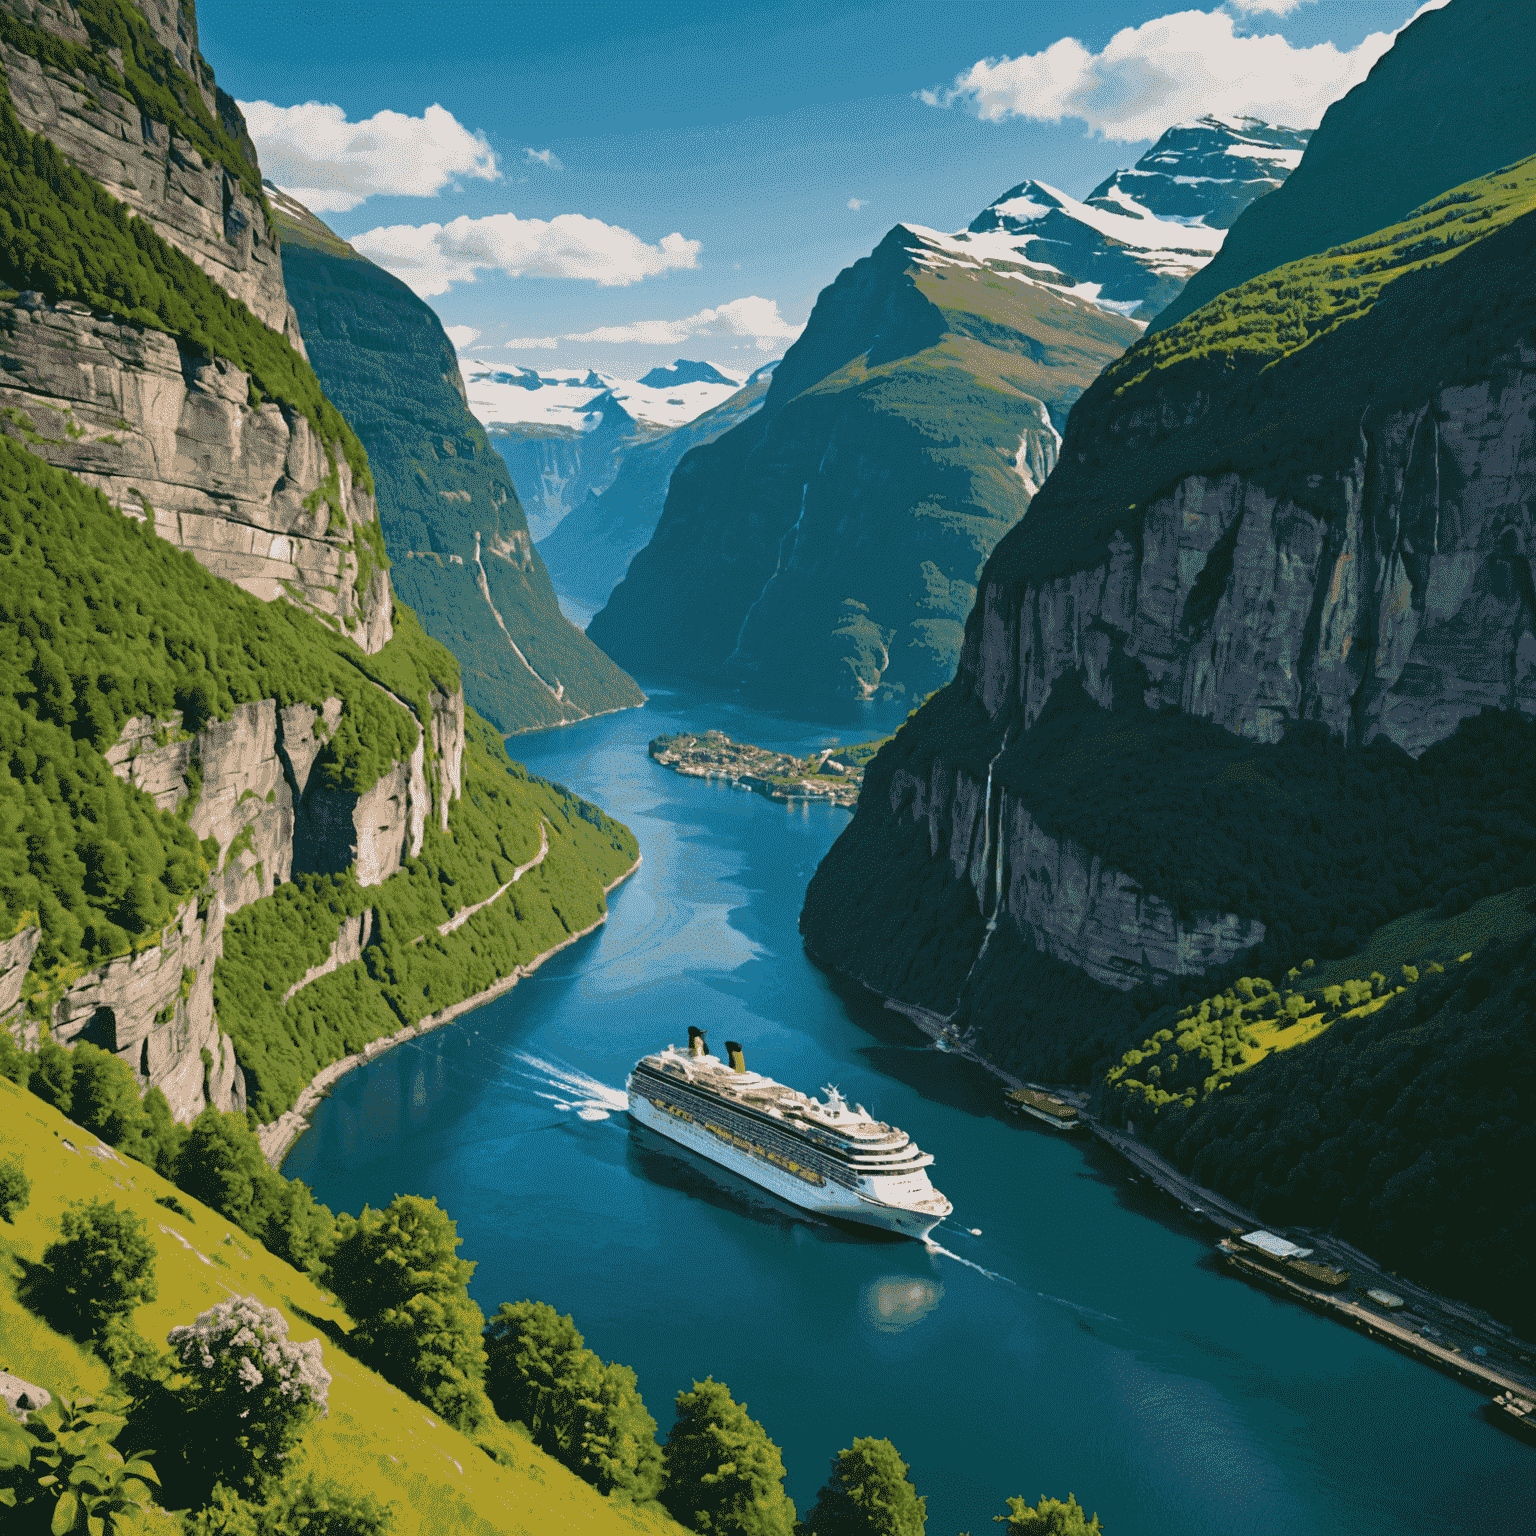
x,y
824,1155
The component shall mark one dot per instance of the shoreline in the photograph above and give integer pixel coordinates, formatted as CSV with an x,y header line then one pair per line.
x,y
1197,1201
278,1136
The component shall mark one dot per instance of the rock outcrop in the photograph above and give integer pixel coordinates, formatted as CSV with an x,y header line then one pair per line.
x,y
193,202
251,491
261,801
1408,609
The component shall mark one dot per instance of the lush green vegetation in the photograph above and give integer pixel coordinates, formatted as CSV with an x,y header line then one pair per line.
x,y
161,89
868,1494
1321,842
395,1453
100,621
409,970
384,358
62,234
1273,379
101,1267
724,1476
1403,1126
587,1414
1049,1517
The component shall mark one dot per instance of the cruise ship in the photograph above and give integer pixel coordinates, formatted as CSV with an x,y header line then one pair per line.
x,y
825,1156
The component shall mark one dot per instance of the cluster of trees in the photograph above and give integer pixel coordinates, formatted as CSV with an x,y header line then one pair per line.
x,y
62,234
1406,1130
1207,1042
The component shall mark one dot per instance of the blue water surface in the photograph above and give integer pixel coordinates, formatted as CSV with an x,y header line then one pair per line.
x,y
1085,1341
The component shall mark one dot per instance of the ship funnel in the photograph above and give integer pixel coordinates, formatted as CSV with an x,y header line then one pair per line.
x,y
696,1045
738,1061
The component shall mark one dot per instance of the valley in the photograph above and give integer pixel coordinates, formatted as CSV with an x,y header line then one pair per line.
x,y
428,540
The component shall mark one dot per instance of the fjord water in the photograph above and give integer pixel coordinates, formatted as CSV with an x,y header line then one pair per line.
x,y
1084,1341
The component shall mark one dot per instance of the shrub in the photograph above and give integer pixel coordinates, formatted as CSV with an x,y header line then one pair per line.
x,y
70,1479
315,1507
15,1187
102,1267
588,1415
868,1494
724,1476
398,1275
1050,1517
250,1394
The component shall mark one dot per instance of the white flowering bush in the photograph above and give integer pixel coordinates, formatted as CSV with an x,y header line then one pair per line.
x,y
250,1392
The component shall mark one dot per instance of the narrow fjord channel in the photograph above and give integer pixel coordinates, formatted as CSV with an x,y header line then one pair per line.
x,y
1084,1341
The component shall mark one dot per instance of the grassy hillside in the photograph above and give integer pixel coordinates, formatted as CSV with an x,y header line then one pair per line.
x,y
443,493
1273,378
828,547
1448,102
375,1438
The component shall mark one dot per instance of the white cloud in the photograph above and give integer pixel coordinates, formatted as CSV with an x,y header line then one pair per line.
x,y
1167,70
1267,7
545,157
433,257
758,320
331,165
462,335
855,203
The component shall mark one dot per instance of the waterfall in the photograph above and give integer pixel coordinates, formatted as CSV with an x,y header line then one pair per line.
x,y
991,873
786,547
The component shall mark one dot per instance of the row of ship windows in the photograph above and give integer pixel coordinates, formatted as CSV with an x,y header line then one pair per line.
x,y
873,1164
793,1156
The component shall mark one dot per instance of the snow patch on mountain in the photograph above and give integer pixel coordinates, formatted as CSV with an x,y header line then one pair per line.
x,y
571,403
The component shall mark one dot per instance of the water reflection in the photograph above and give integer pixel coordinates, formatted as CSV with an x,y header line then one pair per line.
x,y
898,1302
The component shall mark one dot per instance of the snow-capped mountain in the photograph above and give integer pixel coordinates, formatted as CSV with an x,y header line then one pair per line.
x,y
665,398
1140,235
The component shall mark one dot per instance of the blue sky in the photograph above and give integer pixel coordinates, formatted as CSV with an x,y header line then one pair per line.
x,y
678,176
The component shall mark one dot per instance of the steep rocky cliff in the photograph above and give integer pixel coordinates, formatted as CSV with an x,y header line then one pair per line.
x,y
464,555
1305,508
259,734
168,428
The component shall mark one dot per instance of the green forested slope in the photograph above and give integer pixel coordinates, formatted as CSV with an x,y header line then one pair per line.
x,y
828,547
442,490
1449,102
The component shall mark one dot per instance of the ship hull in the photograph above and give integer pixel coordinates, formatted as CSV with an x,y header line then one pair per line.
x,y
827,1199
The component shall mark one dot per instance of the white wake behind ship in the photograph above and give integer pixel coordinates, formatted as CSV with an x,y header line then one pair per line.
x,y
830,1157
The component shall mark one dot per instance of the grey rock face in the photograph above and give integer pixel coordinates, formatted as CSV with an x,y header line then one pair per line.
x,y
1411,609
193,203
21,1397
272,818
1064,899
254,494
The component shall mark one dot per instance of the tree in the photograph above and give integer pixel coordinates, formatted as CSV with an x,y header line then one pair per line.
x,y
70,1479
51,1076
314,1507
868,1494
588,1415
102,1267
105,1096
1050,1517
249,1394
15,1187
724,1476
396,1272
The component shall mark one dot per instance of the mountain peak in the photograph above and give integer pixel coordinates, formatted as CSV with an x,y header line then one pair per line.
x,y
684,372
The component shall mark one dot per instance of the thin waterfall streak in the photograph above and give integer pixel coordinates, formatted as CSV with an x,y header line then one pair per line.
x,y
987,876
789,539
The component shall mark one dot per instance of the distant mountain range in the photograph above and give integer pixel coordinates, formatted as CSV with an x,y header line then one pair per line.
x,y
564,435
827,547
